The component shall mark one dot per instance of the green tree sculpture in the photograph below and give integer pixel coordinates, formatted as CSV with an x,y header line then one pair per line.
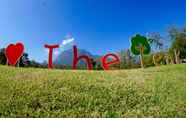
x,y
140,46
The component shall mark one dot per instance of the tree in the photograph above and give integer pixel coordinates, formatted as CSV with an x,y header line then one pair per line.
x,y
140,46
93,62
2,56
156,40
125,59
123,63
24,60
178,46
35,64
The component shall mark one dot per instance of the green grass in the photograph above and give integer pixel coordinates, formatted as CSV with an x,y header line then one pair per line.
x,y
151,92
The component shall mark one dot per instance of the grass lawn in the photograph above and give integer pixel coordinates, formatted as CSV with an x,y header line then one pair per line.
x,y
151,92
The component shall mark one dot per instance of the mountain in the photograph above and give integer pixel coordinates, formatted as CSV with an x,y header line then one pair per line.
x,y
66,57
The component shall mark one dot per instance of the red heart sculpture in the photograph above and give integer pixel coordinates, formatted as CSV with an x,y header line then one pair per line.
x,y
14,52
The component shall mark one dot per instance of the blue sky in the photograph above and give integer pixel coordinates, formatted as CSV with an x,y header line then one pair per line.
x,y
99,26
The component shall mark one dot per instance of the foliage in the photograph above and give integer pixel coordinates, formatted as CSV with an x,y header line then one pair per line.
x,y
160,58
178,46
140,46
124,58
2,56
140,42
156,40
127,60
148,60
23,62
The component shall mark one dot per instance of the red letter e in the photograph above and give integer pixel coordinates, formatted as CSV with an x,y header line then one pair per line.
x,y
105,63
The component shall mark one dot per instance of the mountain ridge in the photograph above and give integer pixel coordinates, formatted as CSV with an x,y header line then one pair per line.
x,y
66,57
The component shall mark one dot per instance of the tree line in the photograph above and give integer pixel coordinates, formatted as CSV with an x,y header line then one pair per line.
x,y
170,49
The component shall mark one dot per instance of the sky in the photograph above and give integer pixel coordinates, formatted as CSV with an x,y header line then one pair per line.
x,y
99,26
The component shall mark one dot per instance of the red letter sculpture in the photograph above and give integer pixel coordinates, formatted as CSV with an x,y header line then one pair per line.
x,y
84,57
50,47
105,63
14,52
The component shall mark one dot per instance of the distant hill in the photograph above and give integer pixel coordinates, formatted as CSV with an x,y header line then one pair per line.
x,y
66,57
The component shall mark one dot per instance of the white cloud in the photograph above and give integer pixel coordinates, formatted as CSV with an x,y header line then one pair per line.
x,y
64,45
67,41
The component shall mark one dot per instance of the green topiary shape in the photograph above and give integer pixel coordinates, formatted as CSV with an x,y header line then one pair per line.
x,y
140,46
